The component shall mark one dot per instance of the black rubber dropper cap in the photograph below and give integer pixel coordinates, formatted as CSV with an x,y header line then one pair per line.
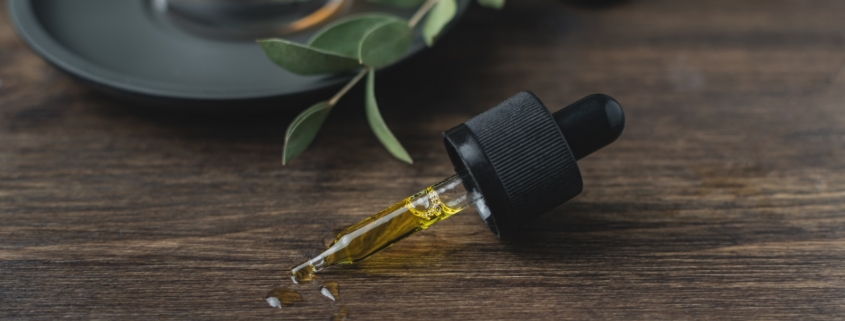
x,y
522,159
591,123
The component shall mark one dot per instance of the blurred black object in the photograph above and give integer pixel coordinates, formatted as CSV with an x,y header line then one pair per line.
x,y
136,51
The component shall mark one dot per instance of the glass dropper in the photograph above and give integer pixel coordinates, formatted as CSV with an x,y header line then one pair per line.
x,y
378,232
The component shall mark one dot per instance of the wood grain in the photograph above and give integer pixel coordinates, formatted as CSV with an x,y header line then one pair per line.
x,y
723,199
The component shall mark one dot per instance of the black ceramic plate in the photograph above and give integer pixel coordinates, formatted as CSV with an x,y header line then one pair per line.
x,y
130,47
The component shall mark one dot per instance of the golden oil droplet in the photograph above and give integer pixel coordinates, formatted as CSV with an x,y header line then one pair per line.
x,y
302,273
330,290
341,314
282,296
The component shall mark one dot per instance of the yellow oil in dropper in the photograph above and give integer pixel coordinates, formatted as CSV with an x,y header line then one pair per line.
x,y
400,220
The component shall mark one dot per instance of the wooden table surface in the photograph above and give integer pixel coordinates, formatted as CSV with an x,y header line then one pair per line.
x,y
723,199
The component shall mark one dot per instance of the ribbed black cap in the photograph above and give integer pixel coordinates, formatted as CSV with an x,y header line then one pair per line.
x,y
517,155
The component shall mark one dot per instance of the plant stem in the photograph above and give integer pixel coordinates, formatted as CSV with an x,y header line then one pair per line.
x,y
348,86
421,12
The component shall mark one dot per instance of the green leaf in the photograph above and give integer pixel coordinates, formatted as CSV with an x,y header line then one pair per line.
x,y
495,4
377,123
438,17
303,60
400,3
303,129
344,36
385,43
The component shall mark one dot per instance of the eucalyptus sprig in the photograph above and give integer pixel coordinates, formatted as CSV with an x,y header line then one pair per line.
x,y
365,42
